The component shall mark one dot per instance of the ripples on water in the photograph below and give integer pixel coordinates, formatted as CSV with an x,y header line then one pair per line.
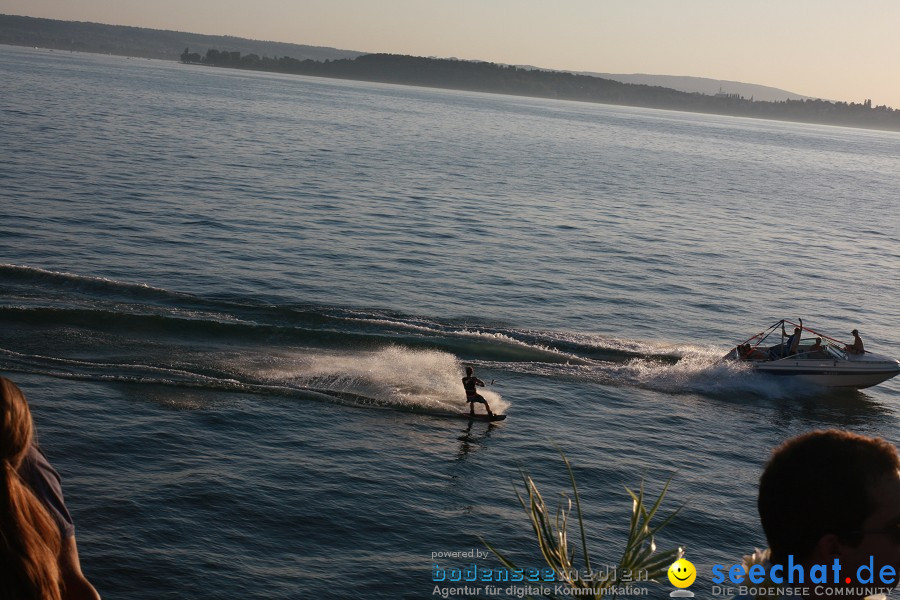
x,y
235,299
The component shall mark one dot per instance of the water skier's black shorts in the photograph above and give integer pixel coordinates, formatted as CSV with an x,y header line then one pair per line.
x,y
476,398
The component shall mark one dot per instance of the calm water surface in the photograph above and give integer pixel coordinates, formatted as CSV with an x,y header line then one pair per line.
x,y
235,299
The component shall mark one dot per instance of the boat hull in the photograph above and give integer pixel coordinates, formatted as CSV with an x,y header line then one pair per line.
x,y
856,372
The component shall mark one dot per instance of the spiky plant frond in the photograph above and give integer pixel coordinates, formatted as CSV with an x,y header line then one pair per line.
x,y
551,534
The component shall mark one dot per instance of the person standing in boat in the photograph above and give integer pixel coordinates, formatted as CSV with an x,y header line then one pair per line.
x,y
857,346
793,341
472,395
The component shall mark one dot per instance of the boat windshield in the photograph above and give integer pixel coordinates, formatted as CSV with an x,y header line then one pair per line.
x,y
837,353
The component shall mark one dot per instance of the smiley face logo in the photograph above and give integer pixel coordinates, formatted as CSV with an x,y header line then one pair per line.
x,y
682,573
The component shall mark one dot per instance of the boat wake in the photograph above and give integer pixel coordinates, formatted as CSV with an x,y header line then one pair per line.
x,y
89,328
392,378
699,370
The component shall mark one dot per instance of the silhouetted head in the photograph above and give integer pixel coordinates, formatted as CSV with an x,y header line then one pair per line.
x,y
469,371
830,491
854,332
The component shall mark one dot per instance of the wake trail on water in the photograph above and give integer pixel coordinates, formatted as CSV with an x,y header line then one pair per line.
x,y
396,377
393,378
94,328
669,369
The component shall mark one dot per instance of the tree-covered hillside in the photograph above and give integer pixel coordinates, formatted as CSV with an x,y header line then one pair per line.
x,y
502,79
144,43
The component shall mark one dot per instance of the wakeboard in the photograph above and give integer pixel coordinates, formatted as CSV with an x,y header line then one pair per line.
x,y
481,417
463,415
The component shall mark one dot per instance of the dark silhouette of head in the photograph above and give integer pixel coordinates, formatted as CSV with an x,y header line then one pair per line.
x,y
822,483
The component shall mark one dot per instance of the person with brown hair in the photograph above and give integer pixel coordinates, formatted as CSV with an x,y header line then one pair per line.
x,y
829,495
38,554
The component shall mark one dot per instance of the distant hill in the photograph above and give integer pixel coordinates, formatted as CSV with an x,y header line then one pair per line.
x,y
144,43
703,85
694,85
168,45
507,79
231,52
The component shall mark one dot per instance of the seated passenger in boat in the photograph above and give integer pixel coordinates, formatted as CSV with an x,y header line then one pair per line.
x,y
857,346
748,352
817,350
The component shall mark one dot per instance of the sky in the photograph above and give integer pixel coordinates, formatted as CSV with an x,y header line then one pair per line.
x,y
845,50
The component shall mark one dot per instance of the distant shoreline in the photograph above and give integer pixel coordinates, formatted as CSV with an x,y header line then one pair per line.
x,y
501,79
427,72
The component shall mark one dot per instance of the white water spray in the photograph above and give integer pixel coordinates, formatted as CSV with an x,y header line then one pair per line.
x,y
393,377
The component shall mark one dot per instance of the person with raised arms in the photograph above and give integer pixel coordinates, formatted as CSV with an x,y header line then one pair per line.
x,y
793,342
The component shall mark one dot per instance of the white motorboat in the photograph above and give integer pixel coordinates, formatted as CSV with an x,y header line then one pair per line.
x,y
827,363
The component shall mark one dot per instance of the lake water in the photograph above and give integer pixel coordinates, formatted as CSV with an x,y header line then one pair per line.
x,y
234,299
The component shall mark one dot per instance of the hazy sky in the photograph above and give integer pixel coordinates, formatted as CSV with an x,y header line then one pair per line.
x,y
834,49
